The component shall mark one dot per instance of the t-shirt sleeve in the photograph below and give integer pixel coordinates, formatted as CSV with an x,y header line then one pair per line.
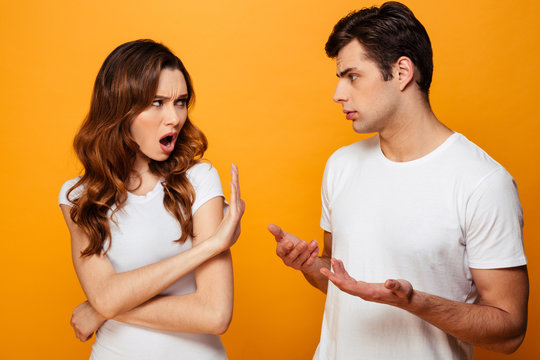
x,y
326,223
63,196
206,183
494,223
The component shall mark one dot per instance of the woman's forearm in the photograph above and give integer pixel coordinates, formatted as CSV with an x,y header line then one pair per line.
x,y
189,313
118,293
207,310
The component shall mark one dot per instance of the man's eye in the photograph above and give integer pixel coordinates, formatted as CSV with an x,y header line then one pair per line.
x,y
157,103
352,77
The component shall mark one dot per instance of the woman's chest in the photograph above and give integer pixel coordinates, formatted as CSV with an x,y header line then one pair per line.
x,y
144,233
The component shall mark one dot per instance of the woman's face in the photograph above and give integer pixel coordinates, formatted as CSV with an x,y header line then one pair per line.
x,y
156,128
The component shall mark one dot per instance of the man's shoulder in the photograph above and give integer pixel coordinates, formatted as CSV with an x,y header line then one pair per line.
x,y
471,158
355,151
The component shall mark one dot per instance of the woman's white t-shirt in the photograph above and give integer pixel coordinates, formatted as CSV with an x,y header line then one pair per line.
x,y
145,233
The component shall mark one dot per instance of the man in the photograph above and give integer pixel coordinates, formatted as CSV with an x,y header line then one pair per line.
x,y
427,222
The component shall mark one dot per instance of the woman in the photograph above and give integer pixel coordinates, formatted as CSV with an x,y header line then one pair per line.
x,y
149,242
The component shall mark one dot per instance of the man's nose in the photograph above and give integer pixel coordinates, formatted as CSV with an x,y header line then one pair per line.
x,y
339,94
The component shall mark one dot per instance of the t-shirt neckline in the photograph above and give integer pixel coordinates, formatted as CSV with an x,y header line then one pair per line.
x,y
446,143
149,195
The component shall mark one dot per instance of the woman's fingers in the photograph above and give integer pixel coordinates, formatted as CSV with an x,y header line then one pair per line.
x,y
229,229
234,187
236,180
236,201
233,195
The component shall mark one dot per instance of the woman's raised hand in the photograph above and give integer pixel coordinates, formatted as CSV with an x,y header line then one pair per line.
x,y
229,229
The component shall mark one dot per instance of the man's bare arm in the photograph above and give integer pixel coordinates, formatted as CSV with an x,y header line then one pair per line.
x,y
497,322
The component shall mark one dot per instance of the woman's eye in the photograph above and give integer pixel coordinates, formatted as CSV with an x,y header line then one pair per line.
x,y
181,102
157,103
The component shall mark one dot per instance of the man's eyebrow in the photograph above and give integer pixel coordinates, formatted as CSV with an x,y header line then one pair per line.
x,y
346,71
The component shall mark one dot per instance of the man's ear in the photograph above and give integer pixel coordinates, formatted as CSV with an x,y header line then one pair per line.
x,y
405,72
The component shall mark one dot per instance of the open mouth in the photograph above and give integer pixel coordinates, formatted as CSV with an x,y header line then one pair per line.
x,y
166,140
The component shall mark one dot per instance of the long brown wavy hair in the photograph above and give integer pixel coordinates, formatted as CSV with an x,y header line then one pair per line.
x,y
125,86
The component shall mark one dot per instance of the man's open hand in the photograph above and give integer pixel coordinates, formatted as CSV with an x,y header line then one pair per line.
x,y
392,292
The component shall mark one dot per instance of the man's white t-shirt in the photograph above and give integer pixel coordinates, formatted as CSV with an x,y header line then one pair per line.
x,y
426,221
145,233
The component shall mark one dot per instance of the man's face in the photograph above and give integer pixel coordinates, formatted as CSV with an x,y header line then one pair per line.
x,y
367,99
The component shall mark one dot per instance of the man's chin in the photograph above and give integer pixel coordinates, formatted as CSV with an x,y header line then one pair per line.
x,y
359,129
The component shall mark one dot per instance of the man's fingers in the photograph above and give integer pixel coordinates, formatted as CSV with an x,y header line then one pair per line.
x,y
326,272
344,284
391,284
305,253
313,245
330,273
339,269
335,279
276,231
296,251
394,286
339,276
313,255
283,248
400,288
293,255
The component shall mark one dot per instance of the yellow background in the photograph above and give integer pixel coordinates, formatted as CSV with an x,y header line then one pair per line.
x,y
264,88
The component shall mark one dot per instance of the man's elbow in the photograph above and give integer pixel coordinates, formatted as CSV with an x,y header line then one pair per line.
x,y
512,345
509,345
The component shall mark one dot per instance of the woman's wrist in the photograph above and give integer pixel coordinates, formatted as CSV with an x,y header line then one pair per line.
x,y
212,246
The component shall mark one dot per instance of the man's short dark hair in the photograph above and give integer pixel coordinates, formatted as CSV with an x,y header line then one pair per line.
x,y
386,33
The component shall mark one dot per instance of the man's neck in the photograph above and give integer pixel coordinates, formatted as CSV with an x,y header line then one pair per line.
x,y
413,133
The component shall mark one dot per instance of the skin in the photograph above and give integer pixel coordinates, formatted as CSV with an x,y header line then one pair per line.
x,y
167,114
408,130
133,296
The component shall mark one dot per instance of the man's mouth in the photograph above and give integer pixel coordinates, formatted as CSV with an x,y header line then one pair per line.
x,y
349,114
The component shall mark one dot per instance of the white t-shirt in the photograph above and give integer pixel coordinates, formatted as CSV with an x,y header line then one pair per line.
x,y
145,234
427,221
